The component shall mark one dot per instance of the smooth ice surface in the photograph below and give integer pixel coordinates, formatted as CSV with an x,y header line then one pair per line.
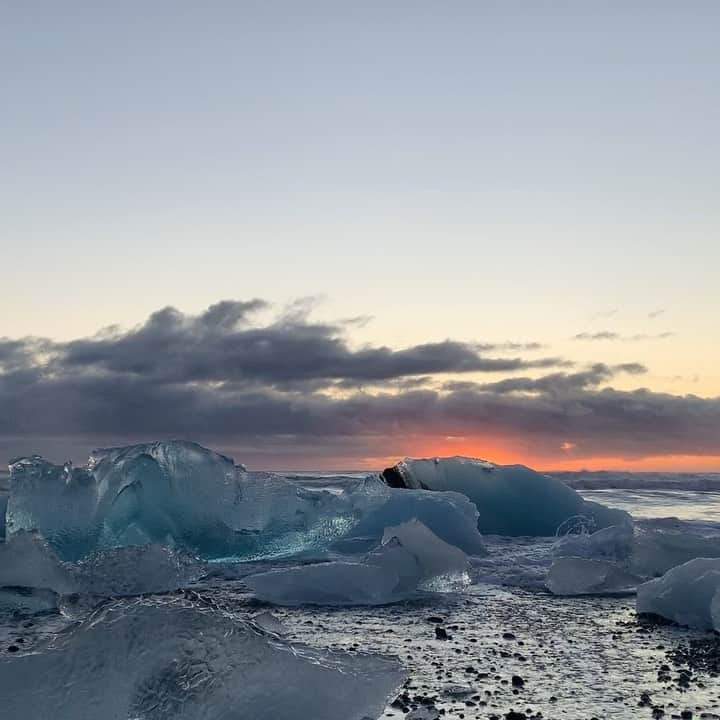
x,y
511,499
150,661
572,576
688,594
411,558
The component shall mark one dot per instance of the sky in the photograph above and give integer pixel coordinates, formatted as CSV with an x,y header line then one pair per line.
x,y
332,234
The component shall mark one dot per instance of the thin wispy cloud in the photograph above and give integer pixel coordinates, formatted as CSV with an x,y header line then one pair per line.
x,y
614,336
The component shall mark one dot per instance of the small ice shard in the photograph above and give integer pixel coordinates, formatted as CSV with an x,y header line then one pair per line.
x,y
688,594
437,565
172,661
268,622
511,499
411,558
580,576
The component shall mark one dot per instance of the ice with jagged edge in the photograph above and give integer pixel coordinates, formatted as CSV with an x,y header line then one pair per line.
x,y
411,558
511,499
641,551
173,661
182,496
688,594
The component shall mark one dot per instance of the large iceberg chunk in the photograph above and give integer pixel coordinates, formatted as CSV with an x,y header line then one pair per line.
x,y
149,661
176,494
184,497
411,558
688,594
511,499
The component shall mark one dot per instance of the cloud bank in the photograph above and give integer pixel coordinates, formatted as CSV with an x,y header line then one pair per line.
x,y
297,388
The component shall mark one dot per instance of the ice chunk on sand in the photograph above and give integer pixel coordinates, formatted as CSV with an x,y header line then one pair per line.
x,y
580,576
411,558
688,594
334,583
663,543
649,548
438,566
611,543
269,623
149,661
449,515
511,499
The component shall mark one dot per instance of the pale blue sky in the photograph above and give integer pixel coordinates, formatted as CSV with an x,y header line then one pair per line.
x,y
479,170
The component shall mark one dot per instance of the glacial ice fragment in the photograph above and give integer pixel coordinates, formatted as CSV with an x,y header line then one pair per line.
x,y
176,494
511,499
688,594
184,497
611,543
410,558
449,515
663,543
172,661
579,576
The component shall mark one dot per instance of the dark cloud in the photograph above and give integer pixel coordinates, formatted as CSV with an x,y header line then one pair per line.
x,y
608,335
295,388
553,384
220,346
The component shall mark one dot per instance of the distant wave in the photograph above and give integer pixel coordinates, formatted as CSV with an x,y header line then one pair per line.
x,y
607,480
